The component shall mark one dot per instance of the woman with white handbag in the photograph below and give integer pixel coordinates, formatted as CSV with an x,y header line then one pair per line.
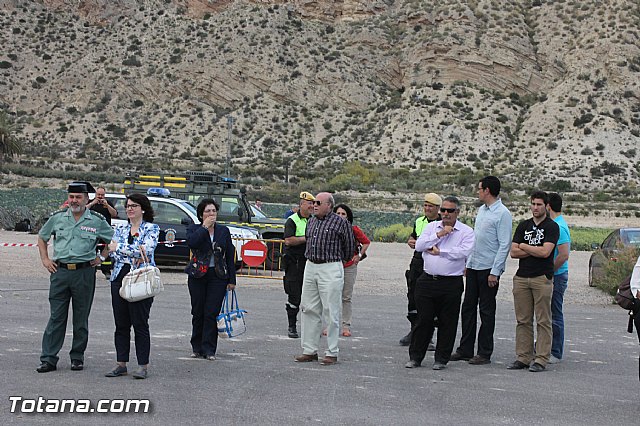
x,y
132,247
211,272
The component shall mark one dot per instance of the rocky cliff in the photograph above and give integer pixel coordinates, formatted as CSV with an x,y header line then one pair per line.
x,y
530,90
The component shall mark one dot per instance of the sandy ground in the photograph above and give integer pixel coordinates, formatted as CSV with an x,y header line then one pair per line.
x,y
382,273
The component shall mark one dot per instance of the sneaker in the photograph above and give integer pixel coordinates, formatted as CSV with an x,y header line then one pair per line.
x,y
77,365
554,360
536,368
117,372
293,333
439,366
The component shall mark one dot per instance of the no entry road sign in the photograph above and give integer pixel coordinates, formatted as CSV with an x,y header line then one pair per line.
x,y
254,252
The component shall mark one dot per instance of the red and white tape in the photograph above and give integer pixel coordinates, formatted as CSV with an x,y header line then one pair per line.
x,y
99,245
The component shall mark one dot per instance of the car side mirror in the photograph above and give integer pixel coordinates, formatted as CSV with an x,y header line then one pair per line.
x,y
595,246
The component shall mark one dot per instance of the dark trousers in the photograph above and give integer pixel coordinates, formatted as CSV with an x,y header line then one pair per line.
x,y
636,320
478,294
293,276
416,268
207,294
439,297
77,287
127,315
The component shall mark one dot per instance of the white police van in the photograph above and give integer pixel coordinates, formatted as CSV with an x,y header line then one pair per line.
x,y
173,216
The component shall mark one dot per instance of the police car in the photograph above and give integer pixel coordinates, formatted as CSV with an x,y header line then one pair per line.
x,y
173,216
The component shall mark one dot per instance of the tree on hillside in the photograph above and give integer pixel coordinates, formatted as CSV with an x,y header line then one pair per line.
x,y
9,144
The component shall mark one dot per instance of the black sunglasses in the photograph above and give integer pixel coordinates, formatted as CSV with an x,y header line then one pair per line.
x,y
442,210
317,203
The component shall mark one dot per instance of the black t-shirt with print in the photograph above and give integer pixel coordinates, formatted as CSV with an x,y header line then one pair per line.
x,y
536,235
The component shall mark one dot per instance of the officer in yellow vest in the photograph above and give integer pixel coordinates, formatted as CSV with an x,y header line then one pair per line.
x,y
295,244
76,231
431,205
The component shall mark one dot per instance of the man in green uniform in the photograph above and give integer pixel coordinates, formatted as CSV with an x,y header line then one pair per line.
x,y
295,244
76,231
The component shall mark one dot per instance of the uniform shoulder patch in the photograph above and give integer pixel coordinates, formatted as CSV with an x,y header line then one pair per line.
x,y
63,210
97,214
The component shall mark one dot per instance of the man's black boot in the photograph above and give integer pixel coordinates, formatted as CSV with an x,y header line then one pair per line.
x,y
293,333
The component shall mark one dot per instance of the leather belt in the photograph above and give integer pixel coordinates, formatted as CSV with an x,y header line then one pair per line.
x,y
73,266
319,262
441,277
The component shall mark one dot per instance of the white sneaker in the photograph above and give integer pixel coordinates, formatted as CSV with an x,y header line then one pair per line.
x,y
554,360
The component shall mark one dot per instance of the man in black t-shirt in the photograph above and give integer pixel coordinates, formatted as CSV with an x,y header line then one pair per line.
x,y
533,244
101,205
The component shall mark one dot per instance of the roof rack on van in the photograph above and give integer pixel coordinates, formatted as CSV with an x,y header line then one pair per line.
x,y
189,181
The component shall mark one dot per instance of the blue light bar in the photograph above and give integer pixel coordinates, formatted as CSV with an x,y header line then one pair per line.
x,y
158,192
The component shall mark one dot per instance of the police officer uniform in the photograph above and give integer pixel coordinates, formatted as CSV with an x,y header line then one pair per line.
x,y
294,262
74,247
416,267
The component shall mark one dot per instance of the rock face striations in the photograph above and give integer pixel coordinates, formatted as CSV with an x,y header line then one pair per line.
x,y
532,90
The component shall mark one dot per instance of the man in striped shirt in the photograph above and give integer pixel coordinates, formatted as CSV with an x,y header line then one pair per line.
x,y
330,241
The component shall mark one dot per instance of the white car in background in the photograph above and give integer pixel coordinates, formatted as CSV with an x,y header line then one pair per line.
x,y
173,216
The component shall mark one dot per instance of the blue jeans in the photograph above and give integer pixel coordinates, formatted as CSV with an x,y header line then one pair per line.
x,y
557,317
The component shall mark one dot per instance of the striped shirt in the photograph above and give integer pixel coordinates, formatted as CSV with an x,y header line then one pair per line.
x,y
329,239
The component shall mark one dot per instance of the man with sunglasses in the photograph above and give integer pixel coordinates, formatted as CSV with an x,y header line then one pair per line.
x,y
330,242
485,265
295,244
431,205
533,244
76,231
445,246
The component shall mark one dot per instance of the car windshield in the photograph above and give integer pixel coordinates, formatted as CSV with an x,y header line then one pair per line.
x,y
187,205
632,236
257,212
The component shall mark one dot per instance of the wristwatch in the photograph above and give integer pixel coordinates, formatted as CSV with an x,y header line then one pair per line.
x,y
102,258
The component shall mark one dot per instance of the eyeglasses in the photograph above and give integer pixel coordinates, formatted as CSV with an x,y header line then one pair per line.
x,y
442,210
317,203
131,206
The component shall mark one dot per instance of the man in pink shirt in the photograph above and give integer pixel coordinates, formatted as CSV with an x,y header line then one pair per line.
x,y
445,246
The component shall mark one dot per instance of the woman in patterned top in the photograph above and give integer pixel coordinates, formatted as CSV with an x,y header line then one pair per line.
x,y
130,242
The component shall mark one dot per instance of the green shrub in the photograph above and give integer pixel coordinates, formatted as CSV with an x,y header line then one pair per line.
x,y
393,233
616,272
